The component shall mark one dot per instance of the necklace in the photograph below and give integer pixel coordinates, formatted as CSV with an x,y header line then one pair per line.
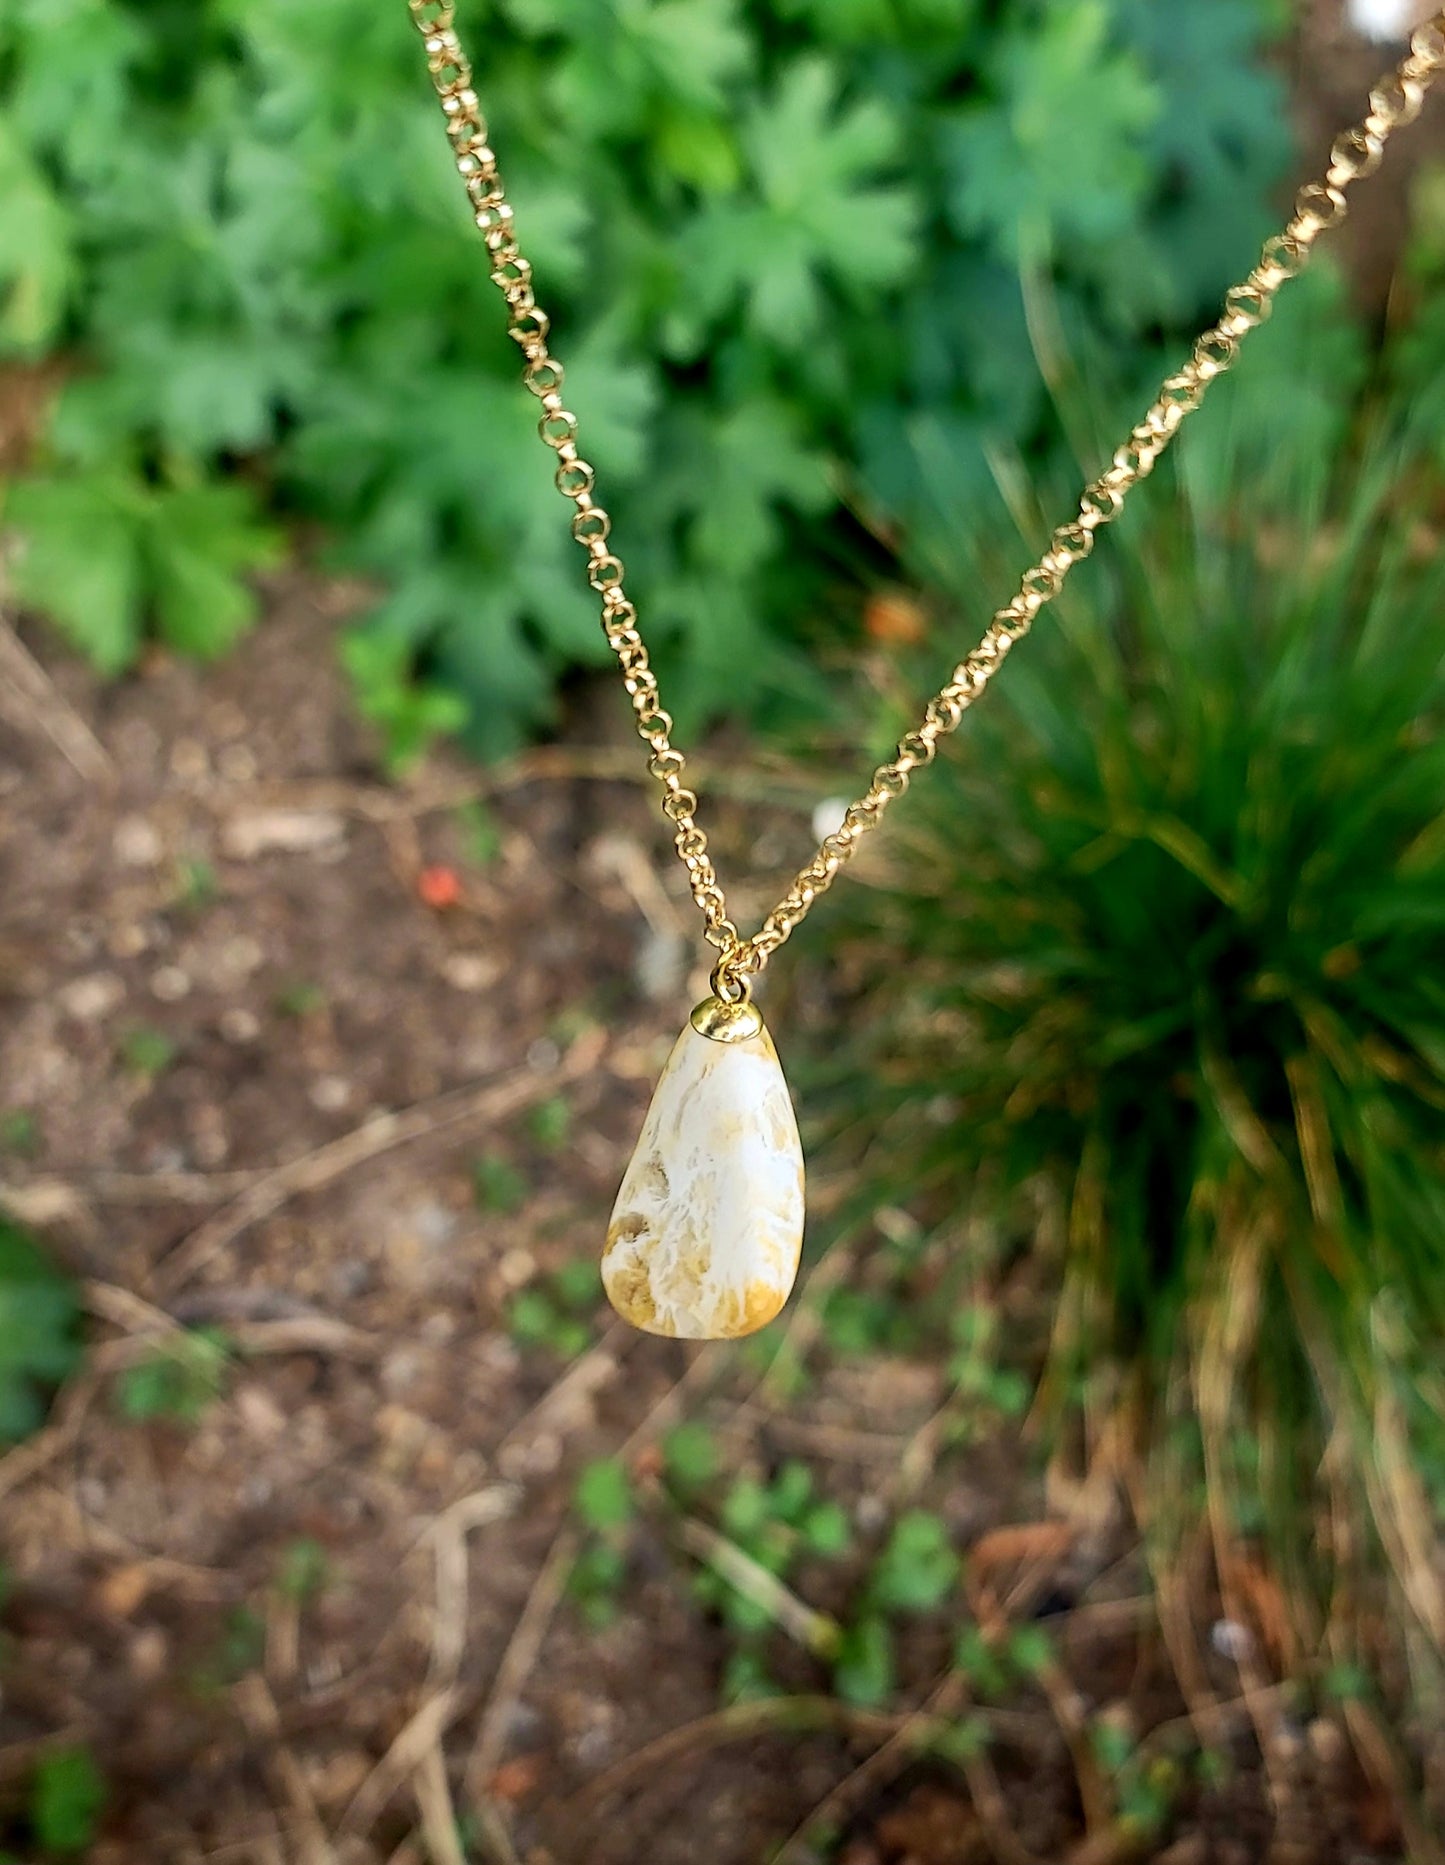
x,y
706,1232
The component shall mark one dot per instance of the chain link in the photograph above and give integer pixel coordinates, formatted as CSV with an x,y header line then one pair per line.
x,y
1319,207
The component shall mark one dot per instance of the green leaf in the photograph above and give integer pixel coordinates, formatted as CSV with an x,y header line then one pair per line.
x,y
1347,1682
38,269
745,1678
549,1123
901,22
99,548
745,1509
1061,153
603,1497
965,1740
821,214
199,543
531,1318
180,1381
79,560
640,60
863,1671
917,1567
755,460
1112,1744
691,1454
826,1530
147,1052
1031,1650
579,1284
305,1570
66,1800
410,712
976,1658
791,1491
499,1186
39,1319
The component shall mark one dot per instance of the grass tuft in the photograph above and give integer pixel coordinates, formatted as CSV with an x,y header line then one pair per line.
x,y
1159,983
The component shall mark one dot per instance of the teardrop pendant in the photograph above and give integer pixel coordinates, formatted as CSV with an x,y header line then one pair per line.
x,y
708,1225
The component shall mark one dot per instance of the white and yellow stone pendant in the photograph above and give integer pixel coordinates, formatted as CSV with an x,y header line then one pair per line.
x,y
706,1231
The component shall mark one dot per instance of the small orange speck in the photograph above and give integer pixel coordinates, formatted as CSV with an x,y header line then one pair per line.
x,y
438,887
894,618
516,1779
649,1463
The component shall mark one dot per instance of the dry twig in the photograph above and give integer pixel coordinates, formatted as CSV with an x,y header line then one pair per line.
x,y
438,1815
422,1732
448,1536
258,1712
30,699
815,1631
516,1665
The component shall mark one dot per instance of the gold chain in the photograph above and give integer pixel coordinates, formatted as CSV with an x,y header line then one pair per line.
x,y
1321,205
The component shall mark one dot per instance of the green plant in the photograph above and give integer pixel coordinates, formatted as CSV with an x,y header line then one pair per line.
x,y
248,245
180,1381
197,884
983,1388
239,1647
498,1185
603,1503
19,1132
1162,963
67,1798
147,1052
556,1311
774,1525
111,556
39,1332
690,1457
549,1123
914,1573
1145,1786
305,1570
300,998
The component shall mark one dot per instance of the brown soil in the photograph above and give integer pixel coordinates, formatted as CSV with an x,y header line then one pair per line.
x,y
226,871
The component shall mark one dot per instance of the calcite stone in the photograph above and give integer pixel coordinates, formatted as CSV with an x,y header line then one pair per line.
x,y
706,1231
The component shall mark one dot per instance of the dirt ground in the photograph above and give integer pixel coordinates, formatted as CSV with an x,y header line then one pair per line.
x,y
264,1050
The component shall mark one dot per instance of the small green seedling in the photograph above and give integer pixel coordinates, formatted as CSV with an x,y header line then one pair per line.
x,y
19,1132
300,998
604,1504
67,1797
179,1381
197,884
498,1187
690,1457
775,1524
555,1312
147,1052
914,1573
304,1572
39,1332
549,1124
917,1568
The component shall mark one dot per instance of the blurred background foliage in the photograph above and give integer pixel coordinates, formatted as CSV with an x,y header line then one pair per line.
x,y
794,250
